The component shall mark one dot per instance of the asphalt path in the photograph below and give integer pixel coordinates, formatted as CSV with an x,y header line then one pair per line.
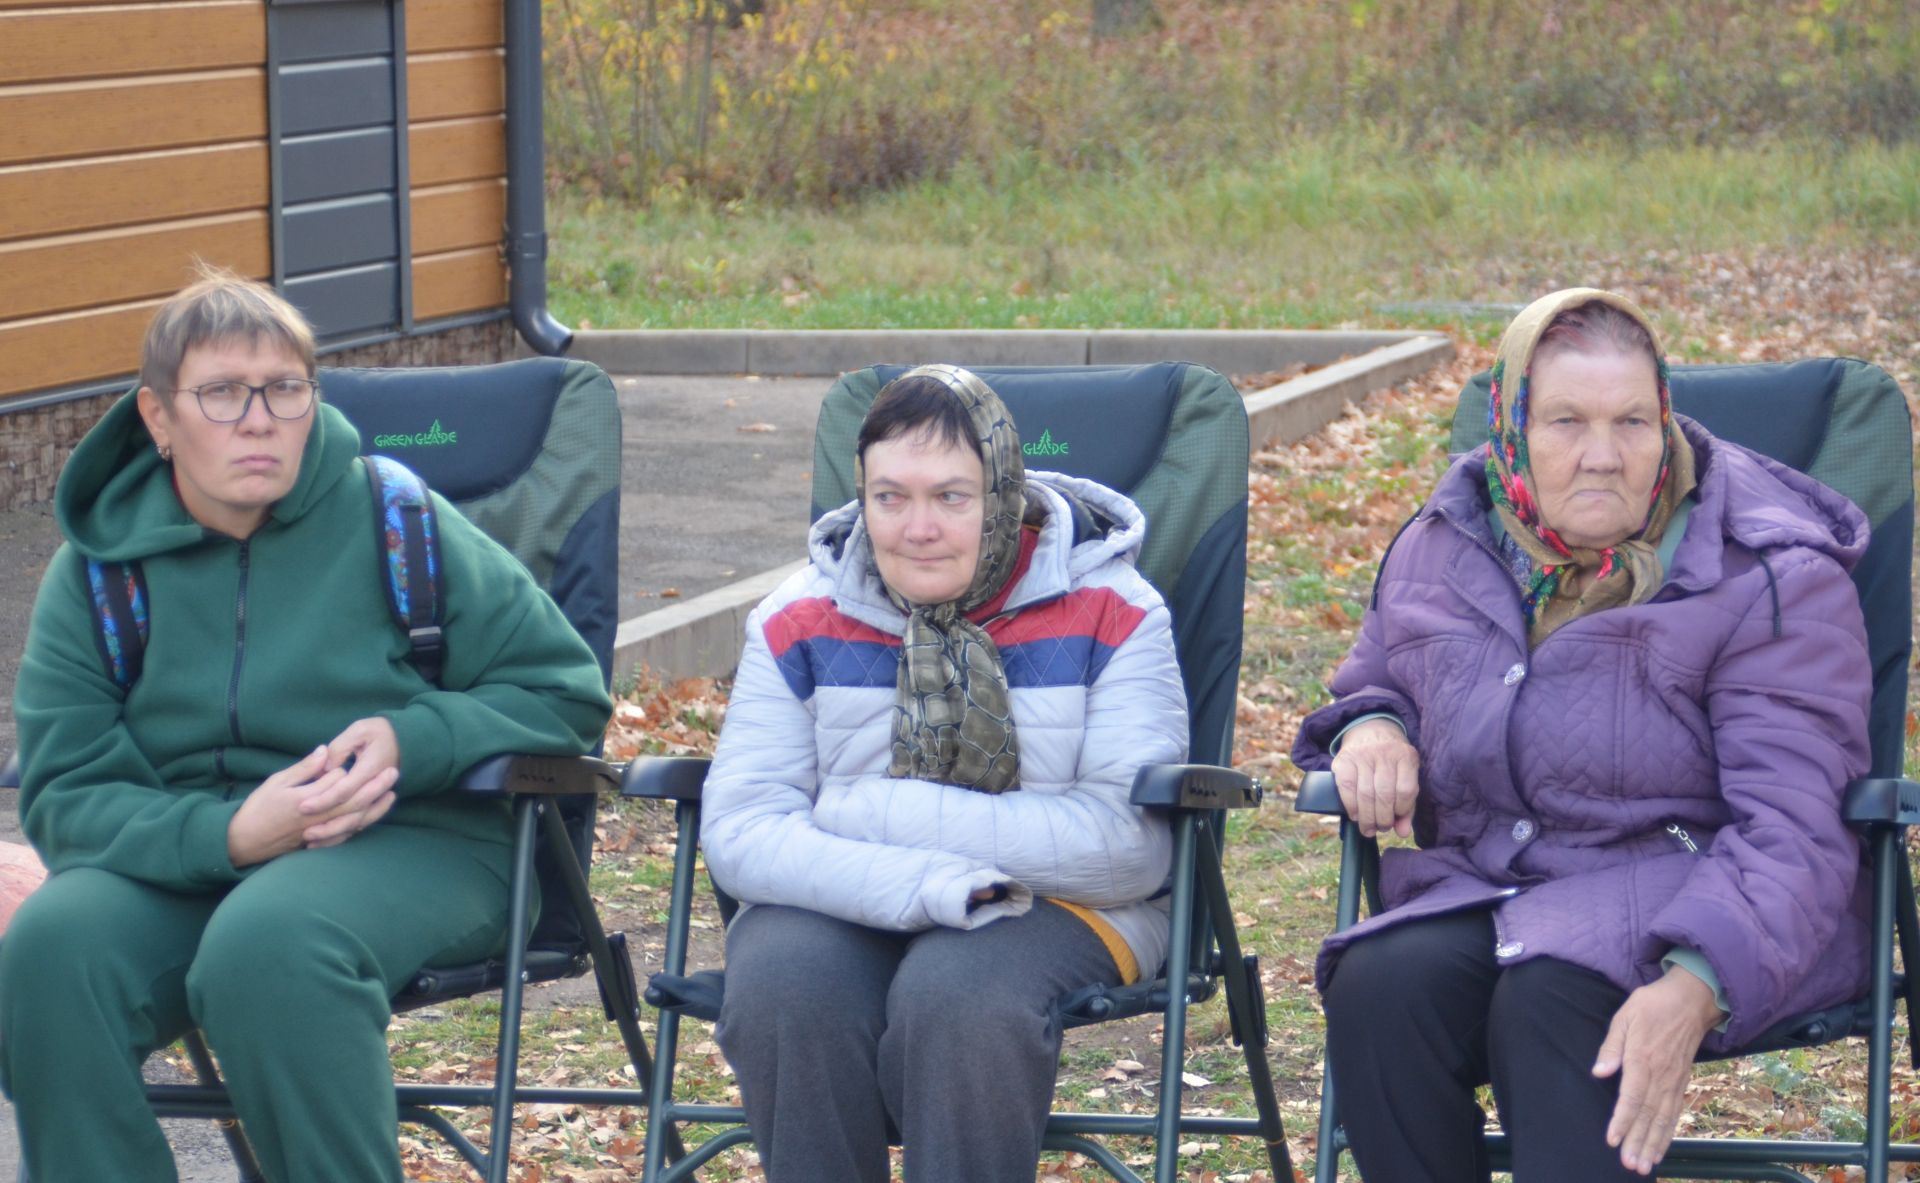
x,y
715,484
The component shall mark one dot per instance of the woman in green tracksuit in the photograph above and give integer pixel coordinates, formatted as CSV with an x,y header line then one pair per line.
x,y
256,838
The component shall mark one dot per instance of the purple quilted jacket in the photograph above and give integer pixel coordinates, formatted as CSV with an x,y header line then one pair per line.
x,y
1666,774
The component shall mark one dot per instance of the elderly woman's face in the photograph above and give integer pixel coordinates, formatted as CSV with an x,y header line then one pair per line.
x,y
924,512
229,474
1593,435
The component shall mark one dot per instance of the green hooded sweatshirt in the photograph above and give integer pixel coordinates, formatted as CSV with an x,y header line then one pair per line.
x,y
259,652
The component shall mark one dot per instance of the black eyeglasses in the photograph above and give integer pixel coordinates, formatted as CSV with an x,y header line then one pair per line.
x,y
229,402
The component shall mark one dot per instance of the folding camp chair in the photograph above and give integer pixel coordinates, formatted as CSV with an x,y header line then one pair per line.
x,y
530,451
1174,438
1844,422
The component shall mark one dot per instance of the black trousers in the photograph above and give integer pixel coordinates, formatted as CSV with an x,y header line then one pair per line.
x,y
1420,1015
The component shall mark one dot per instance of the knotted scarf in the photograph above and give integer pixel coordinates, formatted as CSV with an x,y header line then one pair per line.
x,y
1558,582
953,718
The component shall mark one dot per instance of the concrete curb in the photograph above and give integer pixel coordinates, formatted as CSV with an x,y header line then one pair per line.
x,y
1296,409
813,353
701,637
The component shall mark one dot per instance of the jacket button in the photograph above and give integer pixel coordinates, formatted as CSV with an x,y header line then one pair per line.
x,y
1522,830
1515,672
1510,949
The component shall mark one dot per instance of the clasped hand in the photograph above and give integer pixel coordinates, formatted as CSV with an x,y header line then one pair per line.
x,y
336,791
1378,773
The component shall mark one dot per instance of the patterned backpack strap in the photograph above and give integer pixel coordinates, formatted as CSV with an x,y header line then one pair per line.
x,y
409,554
119,594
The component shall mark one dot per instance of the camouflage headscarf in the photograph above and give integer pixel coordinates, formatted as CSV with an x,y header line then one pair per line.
x,y
953,718
1628,572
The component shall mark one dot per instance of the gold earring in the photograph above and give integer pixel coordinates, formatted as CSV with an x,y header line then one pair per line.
x,y
166,453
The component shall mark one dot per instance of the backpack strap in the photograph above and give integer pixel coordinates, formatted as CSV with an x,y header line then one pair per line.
x,y
119,594
409,555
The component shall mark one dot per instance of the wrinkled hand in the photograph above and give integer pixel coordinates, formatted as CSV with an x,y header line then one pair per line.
x,y
269,823
1651,1044
368,755
1378,772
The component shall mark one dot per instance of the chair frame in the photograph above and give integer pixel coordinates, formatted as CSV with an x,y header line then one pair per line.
x,y
1203,950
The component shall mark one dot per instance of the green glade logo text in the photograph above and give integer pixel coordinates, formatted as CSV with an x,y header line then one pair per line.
x,y
1044,446
432,437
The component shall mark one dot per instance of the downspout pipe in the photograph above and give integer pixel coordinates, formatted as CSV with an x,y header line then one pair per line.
x,y
526,184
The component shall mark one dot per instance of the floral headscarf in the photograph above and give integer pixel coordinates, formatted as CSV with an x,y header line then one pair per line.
x,y
1629,572
953,718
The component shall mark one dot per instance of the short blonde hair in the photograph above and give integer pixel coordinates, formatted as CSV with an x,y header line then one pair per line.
x,y
220,306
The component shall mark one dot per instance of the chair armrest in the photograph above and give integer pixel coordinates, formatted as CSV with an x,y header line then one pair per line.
x,y
547,776
1318,794
1194,786
1875,799
10,772
1885,799
666,778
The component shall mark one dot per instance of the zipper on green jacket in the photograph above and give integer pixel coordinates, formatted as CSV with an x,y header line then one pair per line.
x,y
239,647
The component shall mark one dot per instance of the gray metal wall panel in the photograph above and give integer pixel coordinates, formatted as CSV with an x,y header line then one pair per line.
x,y
329,96
351,28
341,233
336,164
350,301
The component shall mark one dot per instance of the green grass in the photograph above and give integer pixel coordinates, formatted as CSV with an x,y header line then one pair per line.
x,y
1332,231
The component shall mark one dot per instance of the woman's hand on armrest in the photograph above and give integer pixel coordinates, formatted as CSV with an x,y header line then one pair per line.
x,y
1378,772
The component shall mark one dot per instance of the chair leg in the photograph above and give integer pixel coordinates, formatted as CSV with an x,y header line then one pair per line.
x,y
203,1067
506,1076
662,1133
1246,1007
1354,880
1907,927
1173,1041
615,979
1887,851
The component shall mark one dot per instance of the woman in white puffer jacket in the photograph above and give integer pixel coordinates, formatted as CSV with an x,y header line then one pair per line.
x,y
921,793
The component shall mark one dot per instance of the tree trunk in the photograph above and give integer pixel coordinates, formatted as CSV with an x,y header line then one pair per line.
x,y
1119,18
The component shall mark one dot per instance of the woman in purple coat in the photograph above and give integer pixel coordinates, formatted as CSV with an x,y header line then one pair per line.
x,y
1613,682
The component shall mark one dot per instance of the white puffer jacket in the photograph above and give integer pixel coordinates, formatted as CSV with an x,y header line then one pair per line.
x,y
799,808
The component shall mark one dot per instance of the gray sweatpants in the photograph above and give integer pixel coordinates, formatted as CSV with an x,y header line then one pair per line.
x,y
839,1034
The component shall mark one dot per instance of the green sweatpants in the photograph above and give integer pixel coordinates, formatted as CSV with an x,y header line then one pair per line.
x,y
289,974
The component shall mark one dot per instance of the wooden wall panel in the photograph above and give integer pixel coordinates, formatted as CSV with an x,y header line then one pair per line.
x,y
457,150
44,45
449,85
455,217
461,281
435,25
157,186
72,348
132,139
6,4
117,266
51,121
